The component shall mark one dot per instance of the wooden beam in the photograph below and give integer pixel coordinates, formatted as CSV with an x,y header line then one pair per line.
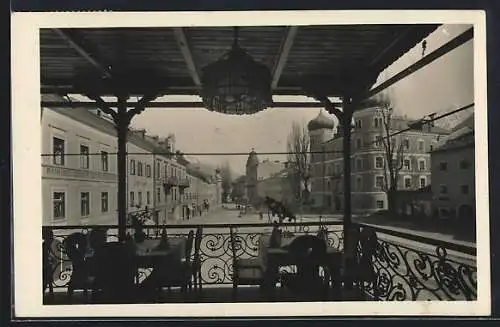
x,y
174,104
431,57
180,37
77,45
285,48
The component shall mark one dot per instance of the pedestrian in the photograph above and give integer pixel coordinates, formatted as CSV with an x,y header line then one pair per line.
x,y
188,212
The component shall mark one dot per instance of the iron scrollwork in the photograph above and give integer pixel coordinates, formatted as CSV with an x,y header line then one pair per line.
x,y
407,274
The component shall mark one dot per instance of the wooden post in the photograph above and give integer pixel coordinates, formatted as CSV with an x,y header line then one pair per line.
x,y
349,247
122,122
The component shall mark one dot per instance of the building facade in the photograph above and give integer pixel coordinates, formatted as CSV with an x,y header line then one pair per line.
x,y
257,172
368,160
79,172
453,175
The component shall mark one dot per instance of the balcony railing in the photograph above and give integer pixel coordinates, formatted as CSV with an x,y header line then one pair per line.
x,y
407,267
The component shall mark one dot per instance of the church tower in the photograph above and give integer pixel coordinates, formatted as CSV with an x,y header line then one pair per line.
x,y
251,177
320,130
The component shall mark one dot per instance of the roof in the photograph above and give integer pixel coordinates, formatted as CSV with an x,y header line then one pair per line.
x,y
461,136
170,60
465,140
322,121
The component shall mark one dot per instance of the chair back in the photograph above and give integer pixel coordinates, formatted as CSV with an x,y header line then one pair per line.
x,y
97,238
189,246
308,252
48,239
75,246
368,245
232,241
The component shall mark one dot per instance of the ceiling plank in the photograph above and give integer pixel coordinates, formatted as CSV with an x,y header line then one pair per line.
x,y
180,37
285,48
76,44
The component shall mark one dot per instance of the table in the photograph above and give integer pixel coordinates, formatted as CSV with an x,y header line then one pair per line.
x,y
149,256
272,258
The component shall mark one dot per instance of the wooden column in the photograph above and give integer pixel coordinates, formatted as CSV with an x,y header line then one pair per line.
x,y
122,122
346,148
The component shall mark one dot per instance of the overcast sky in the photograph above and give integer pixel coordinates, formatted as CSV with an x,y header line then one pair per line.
x,y
445,84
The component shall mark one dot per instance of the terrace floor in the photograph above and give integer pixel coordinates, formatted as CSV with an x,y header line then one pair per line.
x,y
220,294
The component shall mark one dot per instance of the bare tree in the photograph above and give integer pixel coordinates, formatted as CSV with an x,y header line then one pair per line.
x,y
393,150
298,157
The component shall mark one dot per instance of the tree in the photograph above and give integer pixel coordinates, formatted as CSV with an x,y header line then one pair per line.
x,y
227,179
298,157
393,151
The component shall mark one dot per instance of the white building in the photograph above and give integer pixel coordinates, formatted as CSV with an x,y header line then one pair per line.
x,y
79,171
79,174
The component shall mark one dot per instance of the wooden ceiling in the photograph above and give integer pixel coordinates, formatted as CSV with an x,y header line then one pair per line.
x,y
170,60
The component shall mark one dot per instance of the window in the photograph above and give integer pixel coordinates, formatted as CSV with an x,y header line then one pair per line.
x,y
443,189
406,164
377,122
157,173
84,204
464,164
158,194
431,147
104,161
132,199
358,143
378,140
58,151
139,168
104,201
443,166
139,199
148,170
423,182
132,167
380,204
148,198
464,189
408,182
379,182
84,156
379,162
421,145
421,164
337,168
358,123
59,205
406,144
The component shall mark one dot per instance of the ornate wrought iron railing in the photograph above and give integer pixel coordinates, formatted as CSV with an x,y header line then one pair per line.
x,y
407,267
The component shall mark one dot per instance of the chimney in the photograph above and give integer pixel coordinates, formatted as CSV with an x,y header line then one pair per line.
x,y
143,133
